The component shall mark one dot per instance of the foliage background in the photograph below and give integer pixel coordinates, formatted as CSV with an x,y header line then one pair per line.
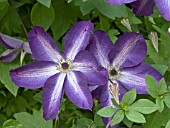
x,y
21,108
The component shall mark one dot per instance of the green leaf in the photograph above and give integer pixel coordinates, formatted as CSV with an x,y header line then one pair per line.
x,y
134,20
163,33
112,34
129,97
83,122
11,123
111,11
157,119
4,11
160,103
152,86
38,97
160,68
33,121
107,111
127,122
144,106
118,117
3,0
167,100
46,3
104,24
65,15
163,86
168,124
135,116
3,118
87,6
3,5
42,16
98,120
5,78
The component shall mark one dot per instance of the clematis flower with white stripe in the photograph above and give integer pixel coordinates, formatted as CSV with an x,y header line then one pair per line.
x,y
124,63
68,73
146,7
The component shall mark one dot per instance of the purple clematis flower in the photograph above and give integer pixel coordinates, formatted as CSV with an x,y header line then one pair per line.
x,y
14,46
119,2
145,7
70,73
124,63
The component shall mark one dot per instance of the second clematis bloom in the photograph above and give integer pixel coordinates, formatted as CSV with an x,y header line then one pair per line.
x,y
124,63
14,46
70,72
146,7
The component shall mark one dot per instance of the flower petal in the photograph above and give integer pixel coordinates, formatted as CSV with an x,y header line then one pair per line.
x,y
164,8
96,90
10,42
119,2
77,90
77,38
52,95
26,48
33,75
42,45
86,63
143,7
100,46
134,77
129,50
9,55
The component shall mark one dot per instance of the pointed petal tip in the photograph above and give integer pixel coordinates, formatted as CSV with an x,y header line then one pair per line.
x,y
35,30
48,117
77,38
42,45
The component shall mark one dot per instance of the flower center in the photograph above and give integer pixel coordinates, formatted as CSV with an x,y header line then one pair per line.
x,y
113,72
65,65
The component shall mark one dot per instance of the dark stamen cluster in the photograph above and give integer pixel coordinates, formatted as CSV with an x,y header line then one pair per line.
x,y
113,72
65,65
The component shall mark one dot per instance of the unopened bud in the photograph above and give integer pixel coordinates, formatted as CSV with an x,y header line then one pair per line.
x,y
114,90
153,37
22,56
126,23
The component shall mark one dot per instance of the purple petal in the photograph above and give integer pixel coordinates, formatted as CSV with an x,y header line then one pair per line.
x,y
77,90
42,45
143,7
77,38
134,77
164,8
129,50
52,95
33,75
9,55
119,2
10,42
100,45
26,48
96,90
86,63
